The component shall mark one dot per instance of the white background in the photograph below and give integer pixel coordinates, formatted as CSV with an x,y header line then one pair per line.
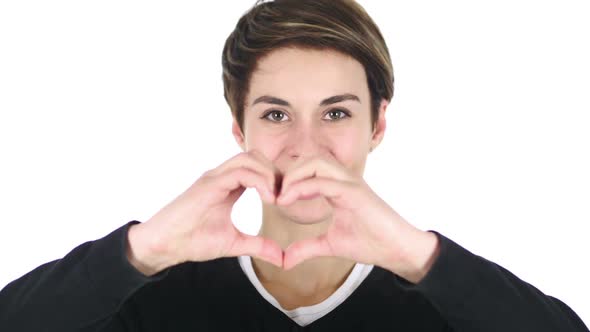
x,y
110,109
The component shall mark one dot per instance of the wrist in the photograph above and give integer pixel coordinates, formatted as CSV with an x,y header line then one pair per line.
x,y
421,250
142,253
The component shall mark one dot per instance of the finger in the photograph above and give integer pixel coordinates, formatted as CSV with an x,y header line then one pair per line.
x,y
265,249
225,183
234,195
253,160
339,193
303,250
276,176
316,167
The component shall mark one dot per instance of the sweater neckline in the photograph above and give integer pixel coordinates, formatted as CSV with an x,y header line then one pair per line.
x,y
353,284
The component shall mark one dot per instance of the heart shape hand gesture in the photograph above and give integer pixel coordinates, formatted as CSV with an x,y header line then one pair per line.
x,y
197,225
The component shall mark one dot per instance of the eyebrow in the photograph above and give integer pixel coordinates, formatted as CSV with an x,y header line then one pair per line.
x,y
328,101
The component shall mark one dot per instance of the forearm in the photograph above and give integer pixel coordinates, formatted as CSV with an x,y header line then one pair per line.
x,y
84,289
475,294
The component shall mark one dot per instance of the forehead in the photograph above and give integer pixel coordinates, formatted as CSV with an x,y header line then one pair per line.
x,y
303,74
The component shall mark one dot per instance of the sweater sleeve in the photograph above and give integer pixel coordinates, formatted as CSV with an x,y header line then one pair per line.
x,y
83,291
475,294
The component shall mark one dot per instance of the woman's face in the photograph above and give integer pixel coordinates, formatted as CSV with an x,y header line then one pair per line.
x,y
308,103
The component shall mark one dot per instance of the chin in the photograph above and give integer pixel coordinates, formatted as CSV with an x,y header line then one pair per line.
x,y
308,211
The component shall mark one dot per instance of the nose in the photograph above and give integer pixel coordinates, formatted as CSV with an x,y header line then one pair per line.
x,y
306,140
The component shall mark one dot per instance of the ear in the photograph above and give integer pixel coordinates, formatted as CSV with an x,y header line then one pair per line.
x,y
238,135
380,125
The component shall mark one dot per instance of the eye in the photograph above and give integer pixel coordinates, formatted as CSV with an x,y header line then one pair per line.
x,y
278,116
334,115
336,111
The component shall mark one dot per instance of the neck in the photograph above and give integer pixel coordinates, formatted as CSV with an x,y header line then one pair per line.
x,y
314,275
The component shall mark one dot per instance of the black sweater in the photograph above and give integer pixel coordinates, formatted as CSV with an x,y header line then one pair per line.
x,y
95,288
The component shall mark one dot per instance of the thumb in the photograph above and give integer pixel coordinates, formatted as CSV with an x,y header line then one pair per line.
x,y
257,246
303,250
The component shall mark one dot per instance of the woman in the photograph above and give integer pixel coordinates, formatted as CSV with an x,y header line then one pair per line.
x,y
308,83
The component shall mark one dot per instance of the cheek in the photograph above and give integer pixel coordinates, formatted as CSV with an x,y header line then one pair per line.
x,y
352,149
268,144
351,154
351,141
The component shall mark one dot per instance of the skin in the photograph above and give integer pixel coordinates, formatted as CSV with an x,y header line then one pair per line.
x,y
318,154
306,163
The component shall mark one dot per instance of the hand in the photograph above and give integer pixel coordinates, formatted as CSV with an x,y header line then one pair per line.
x,y
364,228
197,225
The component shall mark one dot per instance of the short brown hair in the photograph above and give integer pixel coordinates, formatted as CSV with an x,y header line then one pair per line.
x,y
341,25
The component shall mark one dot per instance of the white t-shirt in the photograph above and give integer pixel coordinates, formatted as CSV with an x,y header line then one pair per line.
x,y
308,314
